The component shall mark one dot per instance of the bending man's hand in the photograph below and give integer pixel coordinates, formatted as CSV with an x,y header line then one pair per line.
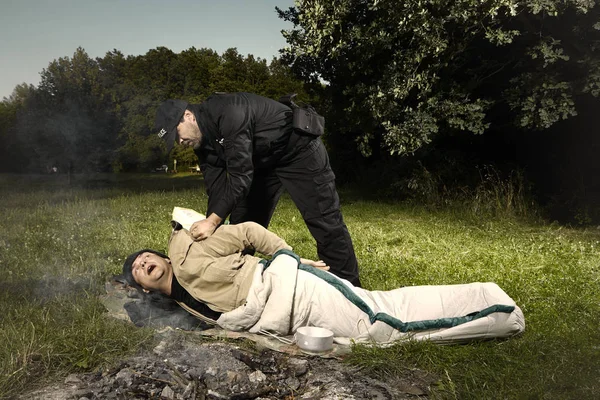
x,y
200,230
317,264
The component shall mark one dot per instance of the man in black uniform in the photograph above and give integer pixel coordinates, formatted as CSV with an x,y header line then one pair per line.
x,y
249,153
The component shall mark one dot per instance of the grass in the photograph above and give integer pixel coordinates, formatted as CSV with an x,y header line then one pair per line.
x,y
60,241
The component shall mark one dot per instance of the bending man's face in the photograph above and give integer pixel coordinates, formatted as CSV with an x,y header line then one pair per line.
x,y
151,271
188,132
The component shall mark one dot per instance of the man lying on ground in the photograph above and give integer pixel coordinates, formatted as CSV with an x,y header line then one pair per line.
x,y
218,282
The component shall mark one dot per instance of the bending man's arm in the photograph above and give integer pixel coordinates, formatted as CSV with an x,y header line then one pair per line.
x,y
215,180
227,187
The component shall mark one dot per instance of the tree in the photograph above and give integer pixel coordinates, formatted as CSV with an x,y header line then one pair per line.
x,y
98,114
68,123
403,72
192,75
197,68
12,152
282,81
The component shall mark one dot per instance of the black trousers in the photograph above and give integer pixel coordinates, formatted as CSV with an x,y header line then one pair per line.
x,y
308,178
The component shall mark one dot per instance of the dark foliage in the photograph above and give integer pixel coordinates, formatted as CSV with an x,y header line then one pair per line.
x,y
425,80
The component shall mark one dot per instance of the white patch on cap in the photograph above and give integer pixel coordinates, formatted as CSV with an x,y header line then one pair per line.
x,y
162,133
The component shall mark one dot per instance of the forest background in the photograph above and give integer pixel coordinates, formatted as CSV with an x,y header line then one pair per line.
x,y
427,101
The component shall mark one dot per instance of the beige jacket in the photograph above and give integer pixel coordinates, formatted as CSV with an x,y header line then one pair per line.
x,y
213,270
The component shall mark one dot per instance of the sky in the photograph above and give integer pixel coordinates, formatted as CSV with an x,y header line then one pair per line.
x,y
33,33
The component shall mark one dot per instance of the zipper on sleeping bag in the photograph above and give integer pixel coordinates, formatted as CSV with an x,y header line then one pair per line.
x,y
384,317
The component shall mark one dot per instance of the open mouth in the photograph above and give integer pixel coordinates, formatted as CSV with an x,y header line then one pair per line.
x,y
150,269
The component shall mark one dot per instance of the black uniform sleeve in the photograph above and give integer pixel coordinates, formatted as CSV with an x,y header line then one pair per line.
x,y
235,127
215,180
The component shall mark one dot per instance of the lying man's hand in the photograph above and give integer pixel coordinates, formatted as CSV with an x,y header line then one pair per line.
x,y
317,264
200,230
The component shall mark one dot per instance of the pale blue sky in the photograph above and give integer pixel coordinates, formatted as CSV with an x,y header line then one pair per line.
x,y
35,32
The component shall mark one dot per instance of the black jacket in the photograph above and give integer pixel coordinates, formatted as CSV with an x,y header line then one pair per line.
x,y
241,132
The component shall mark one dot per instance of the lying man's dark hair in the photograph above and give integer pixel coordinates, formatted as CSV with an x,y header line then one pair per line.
x,y
128,265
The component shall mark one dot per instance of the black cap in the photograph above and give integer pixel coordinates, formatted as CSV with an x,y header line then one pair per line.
x,y
168,115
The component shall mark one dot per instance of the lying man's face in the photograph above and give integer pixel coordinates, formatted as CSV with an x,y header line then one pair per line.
x,y
151,271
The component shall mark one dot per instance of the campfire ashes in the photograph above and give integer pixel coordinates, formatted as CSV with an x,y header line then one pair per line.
x,y
189,364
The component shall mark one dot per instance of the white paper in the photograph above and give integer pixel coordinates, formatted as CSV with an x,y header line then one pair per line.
x,y
186,216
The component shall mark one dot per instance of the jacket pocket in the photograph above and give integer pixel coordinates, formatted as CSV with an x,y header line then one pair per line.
x,y
179,246
219,275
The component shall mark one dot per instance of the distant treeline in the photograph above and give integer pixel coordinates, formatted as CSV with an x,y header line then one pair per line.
x,y
98,114
427,100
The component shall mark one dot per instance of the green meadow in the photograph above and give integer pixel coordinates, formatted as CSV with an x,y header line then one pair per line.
x,y
60,239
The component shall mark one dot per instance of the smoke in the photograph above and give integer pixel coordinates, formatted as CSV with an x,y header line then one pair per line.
x,y
49,288
65,134
144,310
156,310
